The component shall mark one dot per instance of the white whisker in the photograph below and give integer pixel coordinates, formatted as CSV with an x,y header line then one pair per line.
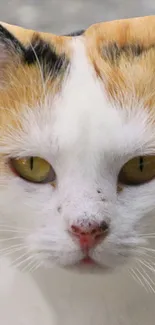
x,y
18,265
18,259
147,275
9,239
40,69
146,280
11,230
31,261
138,279
10,247
13,227
147,265
146,255
35,267
148,249
11,251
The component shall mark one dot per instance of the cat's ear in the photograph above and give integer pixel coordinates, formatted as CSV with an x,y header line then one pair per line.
x,y
9,45
11,52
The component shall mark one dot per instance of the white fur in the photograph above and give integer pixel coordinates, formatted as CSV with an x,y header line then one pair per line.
x,y
87,140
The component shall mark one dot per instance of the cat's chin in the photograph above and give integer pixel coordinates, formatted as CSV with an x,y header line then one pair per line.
x,y
88,266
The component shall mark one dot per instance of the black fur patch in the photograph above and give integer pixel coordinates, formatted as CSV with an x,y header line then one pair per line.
x,y
38,51
77,33
44,53
112,52
10,42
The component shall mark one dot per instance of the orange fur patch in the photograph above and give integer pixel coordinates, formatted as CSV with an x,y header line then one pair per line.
x,y
123,54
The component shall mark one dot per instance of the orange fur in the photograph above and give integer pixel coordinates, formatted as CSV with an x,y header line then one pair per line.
x,y
123,73
129,74
23,85
26,35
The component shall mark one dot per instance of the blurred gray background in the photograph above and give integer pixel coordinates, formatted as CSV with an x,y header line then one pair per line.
x,y
63,16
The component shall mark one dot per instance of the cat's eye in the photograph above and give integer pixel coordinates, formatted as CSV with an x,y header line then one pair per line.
x,y
138,171
34,169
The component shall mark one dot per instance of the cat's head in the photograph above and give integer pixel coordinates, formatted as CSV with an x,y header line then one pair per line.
x,y
77,144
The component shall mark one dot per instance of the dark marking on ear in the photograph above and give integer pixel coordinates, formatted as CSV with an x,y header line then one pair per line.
x,y
10,42
38,51
113,52
77,33
45,53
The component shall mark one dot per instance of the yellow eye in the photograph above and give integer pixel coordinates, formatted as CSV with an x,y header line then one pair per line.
x,y
138,171
34,169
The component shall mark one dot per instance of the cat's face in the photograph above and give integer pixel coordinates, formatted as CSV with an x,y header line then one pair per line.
x,y
85,106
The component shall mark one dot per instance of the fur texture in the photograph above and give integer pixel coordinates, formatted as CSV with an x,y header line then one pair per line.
x,y
85,104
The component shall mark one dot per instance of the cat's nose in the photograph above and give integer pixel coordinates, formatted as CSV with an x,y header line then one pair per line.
x,y
90,236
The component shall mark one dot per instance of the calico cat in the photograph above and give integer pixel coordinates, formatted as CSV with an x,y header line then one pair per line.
x,y
77,175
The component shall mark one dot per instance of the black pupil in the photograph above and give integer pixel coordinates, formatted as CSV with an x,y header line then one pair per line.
x,y
141,163
31,163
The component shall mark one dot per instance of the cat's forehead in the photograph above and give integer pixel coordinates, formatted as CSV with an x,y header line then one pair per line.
x,y
120,53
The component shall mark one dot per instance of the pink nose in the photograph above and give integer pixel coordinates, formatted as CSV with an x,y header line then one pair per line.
x,y
90,236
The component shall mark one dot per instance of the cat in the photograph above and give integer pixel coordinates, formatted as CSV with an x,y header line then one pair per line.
x,y
77,175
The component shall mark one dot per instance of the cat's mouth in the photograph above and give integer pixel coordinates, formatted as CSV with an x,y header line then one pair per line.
x,y
87,260
89,265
